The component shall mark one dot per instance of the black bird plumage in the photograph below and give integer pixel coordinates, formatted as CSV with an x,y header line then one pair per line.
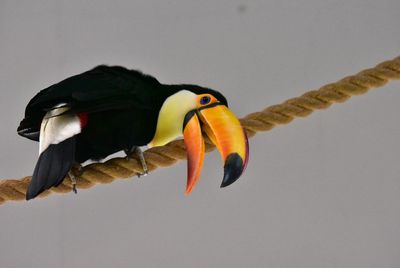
x,y
122,105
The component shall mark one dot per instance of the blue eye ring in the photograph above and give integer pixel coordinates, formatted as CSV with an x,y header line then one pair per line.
x,y
205,100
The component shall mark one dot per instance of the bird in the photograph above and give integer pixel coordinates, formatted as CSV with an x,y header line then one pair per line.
x,y
109,109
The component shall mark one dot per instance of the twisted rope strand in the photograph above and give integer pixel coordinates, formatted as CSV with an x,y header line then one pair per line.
x,y
265,120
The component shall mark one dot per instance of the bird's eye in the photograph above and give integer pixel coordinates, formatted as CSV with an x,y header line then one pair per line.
x,y
205,100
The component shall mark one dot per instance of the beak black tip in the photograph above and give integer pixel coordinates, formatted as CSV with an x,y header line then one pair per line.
x,y
225,183
232,170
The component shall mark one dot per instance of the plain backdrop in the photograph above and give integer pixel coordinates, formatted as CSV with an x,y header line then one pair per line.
x,y
320,192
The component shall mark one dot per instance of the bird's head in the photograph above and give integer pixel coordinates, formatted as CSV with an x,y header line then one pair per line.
x,y
191,110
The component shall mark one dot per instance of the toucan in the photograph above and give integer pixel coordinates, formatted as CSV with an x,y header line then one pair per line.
x,y
109,109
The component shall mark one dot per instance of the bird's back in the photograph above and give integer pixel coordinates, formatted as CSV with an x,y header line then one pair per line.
x,y
100,89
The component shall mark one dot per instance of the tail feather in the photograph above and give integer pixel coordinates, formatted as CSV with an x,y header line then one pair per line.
x,y
53,165
30,128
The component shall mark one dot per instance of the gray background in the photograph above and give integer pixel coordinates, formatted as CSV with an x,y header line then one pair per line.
x,y
321,192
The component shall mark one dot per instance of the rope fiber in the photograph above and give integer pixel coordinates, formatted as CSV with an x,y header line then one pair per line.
x,y
265,120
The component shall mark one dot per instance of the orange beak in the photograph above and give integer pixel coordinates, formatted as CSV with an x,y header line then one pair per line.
x,y
195,149
225,131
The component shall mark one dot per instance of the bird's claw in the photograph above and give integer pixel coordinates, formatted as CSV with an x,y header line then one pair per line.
x,y
144,174
74,188
73,181
143,162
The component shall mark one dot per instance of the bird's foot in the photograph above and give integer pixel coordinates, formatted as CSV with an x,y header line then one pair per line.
x,y
75,171
140,155
73,181
142,161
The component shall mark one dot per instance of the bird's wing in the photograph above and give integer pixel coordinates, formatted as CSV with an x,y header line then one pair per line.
x,y
102,88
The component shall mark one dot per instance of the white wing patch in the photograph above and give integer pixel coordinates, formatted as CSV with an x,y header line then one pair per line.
x,y
58,126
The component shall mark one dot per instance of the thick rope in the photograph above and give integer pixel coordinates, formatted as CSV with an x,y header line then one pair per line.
x,y
121,168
